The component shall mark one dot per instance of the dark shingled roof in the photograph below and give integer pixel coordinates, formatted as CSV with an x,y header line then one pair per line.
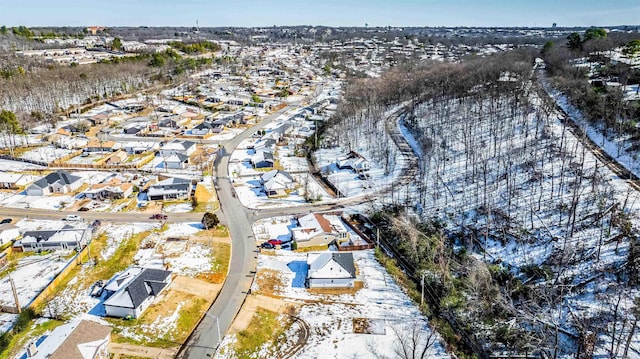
x,y
148,282
345,260
62,177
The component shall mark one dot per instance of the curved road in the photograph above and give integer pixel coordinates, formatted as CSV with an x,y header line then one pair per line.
x,y
205,338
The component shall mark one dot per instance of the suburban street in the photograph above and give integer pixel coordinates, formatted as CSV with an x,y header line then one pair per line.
x,y
205,338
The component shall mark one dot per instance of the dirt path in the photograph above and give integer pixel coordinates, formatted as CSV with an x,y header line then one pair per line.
x,y
242,320
119,350
196,287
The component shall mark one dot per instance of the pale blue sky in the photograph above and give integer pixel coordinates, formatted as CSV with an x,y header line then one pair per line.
x,y
319,12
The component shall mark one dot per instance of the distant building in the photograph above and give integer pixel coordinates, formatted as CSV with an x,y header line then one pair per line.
x,y
94,29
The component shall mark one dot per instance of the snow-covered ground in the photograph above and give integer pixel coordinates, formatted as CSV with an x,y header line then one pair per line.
x,y
616,147
181,257
330,317
45,154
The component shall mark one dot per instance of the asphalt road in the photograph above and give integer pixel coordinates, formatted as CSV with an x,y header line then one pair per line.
x,y
127,217
205,338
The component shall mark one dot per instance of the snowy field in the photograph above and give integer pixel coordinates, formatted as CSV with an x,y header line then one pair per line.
x,y
331,317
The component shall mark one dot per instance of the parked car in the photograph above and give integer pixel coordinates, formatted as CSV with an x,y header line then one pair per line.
x,y
72,217
275,242
158,216
267,245
6,220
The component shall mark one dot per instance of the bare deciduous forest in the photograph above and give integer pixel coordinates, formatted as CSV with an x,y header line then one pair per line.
x,y
525,241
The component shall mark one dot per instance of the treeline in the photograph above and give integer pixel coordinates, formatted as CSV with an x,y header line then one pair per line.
x,y
507,217
48,89
195,48
601,104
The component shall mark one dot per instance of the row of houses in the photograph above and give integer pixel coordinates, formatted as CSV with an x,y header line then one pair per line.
x,y
113,187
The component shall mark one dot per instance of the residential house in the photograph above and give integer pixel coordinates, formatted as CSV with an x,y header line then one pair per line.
x,y
205,128
55,182
175,161
278,133
132,291
8,232
168,122
170,188
263,159
78,339
67,237
354,161
13,180
177,146
316,229
117,157
114,188
276,183
331,270
134,128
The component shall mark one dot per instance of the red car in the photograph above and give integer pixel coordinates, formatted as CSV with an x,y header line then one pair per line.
x,y
275,242
158,216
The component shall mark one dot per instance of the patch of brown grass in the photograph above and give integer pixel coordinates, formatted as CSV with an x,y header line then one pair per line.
x,y
221,252
270,282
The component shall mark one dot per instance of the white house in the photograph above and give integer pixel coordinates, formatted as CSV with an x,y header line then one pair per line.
x,y
133,290
276,182
176,146
354,161
170,188
13,180
175,161
67,237
331,270
55,182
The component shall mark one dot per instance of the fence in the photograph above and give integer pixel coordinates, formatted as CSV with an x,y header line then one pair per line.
x,y
52,286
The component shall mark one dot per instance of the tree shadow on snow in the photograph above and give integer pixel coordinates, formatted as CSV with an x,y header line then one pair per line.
x,y
300,269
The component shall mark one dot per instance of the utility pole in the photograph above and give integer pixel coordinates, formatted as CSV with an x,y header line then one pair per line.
x,y
422,290
15,295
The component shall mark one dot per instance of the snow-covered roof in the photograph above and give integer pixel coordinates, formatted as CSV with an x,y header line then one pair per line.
x,y
318,261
